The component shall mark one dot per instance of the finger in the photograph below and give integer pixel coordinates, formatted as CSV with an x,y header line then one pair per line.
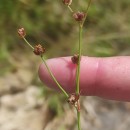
x,y
104,77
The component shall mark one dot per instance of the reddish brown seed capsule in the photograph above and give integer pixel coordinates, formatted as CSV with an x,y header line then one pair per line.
x,y
38,50
74,100
21,32
79,16
67,2
75,59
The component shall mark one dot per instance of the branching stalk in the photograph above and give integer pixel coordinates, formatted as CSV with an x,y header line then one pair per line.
x,y
78,74
70,9
28,43
78,67
77,89
78,120
53,77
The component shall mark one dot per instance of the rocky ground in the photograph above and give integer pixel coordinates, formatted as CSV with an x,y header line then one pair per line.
x,y
21,107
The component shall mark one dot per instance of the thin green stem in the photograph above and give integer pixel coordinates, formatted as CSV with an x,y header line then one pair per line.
x,y
28,43
78,120
53,77
78,67
78,74
70,9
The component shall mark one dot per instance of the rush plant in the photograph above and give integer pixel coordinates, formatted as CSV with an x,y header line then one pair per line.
x,y
79,17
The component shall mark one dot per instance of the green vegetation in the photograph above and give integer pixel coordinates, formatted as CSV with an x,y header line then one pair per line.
x,y
107,27
106,33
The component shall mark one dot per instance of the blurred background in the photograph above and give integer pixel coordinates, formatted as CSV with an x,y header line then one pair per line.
x,y
25,103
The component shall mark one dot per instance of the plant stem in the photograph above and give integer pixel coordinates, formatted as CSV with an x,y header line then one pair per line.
x,y
53,77
78,67
78,120
80,42
78,74
28,43
70,9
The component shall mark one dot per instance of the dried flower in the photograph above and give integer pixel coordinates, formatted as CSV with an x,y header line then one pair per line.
x,y
75,59
74,100
79,16
67,2
21,32
38,50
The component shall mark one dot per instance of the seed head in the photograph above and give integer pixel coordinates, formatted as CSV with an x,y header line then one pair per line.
x,y
79,16
74,100
38,50
75,59
67,2
21,32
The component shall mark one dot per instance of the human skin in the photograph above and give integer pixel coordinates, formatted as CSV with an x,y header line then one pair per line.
x,y
108,78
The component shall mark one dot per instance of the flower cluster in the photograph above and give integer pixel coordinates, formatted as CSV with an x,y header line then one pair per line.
x,y
79,16
75,59
67,2
74,100
38,50
21,32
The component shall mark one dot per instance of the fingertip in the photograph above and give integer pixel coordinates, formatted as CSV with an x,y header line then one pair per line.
x,y
65,73
103,77
62,69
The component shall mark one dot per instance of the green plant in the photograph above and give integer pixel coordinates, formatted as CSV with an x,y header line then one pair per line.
x,y
73,99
